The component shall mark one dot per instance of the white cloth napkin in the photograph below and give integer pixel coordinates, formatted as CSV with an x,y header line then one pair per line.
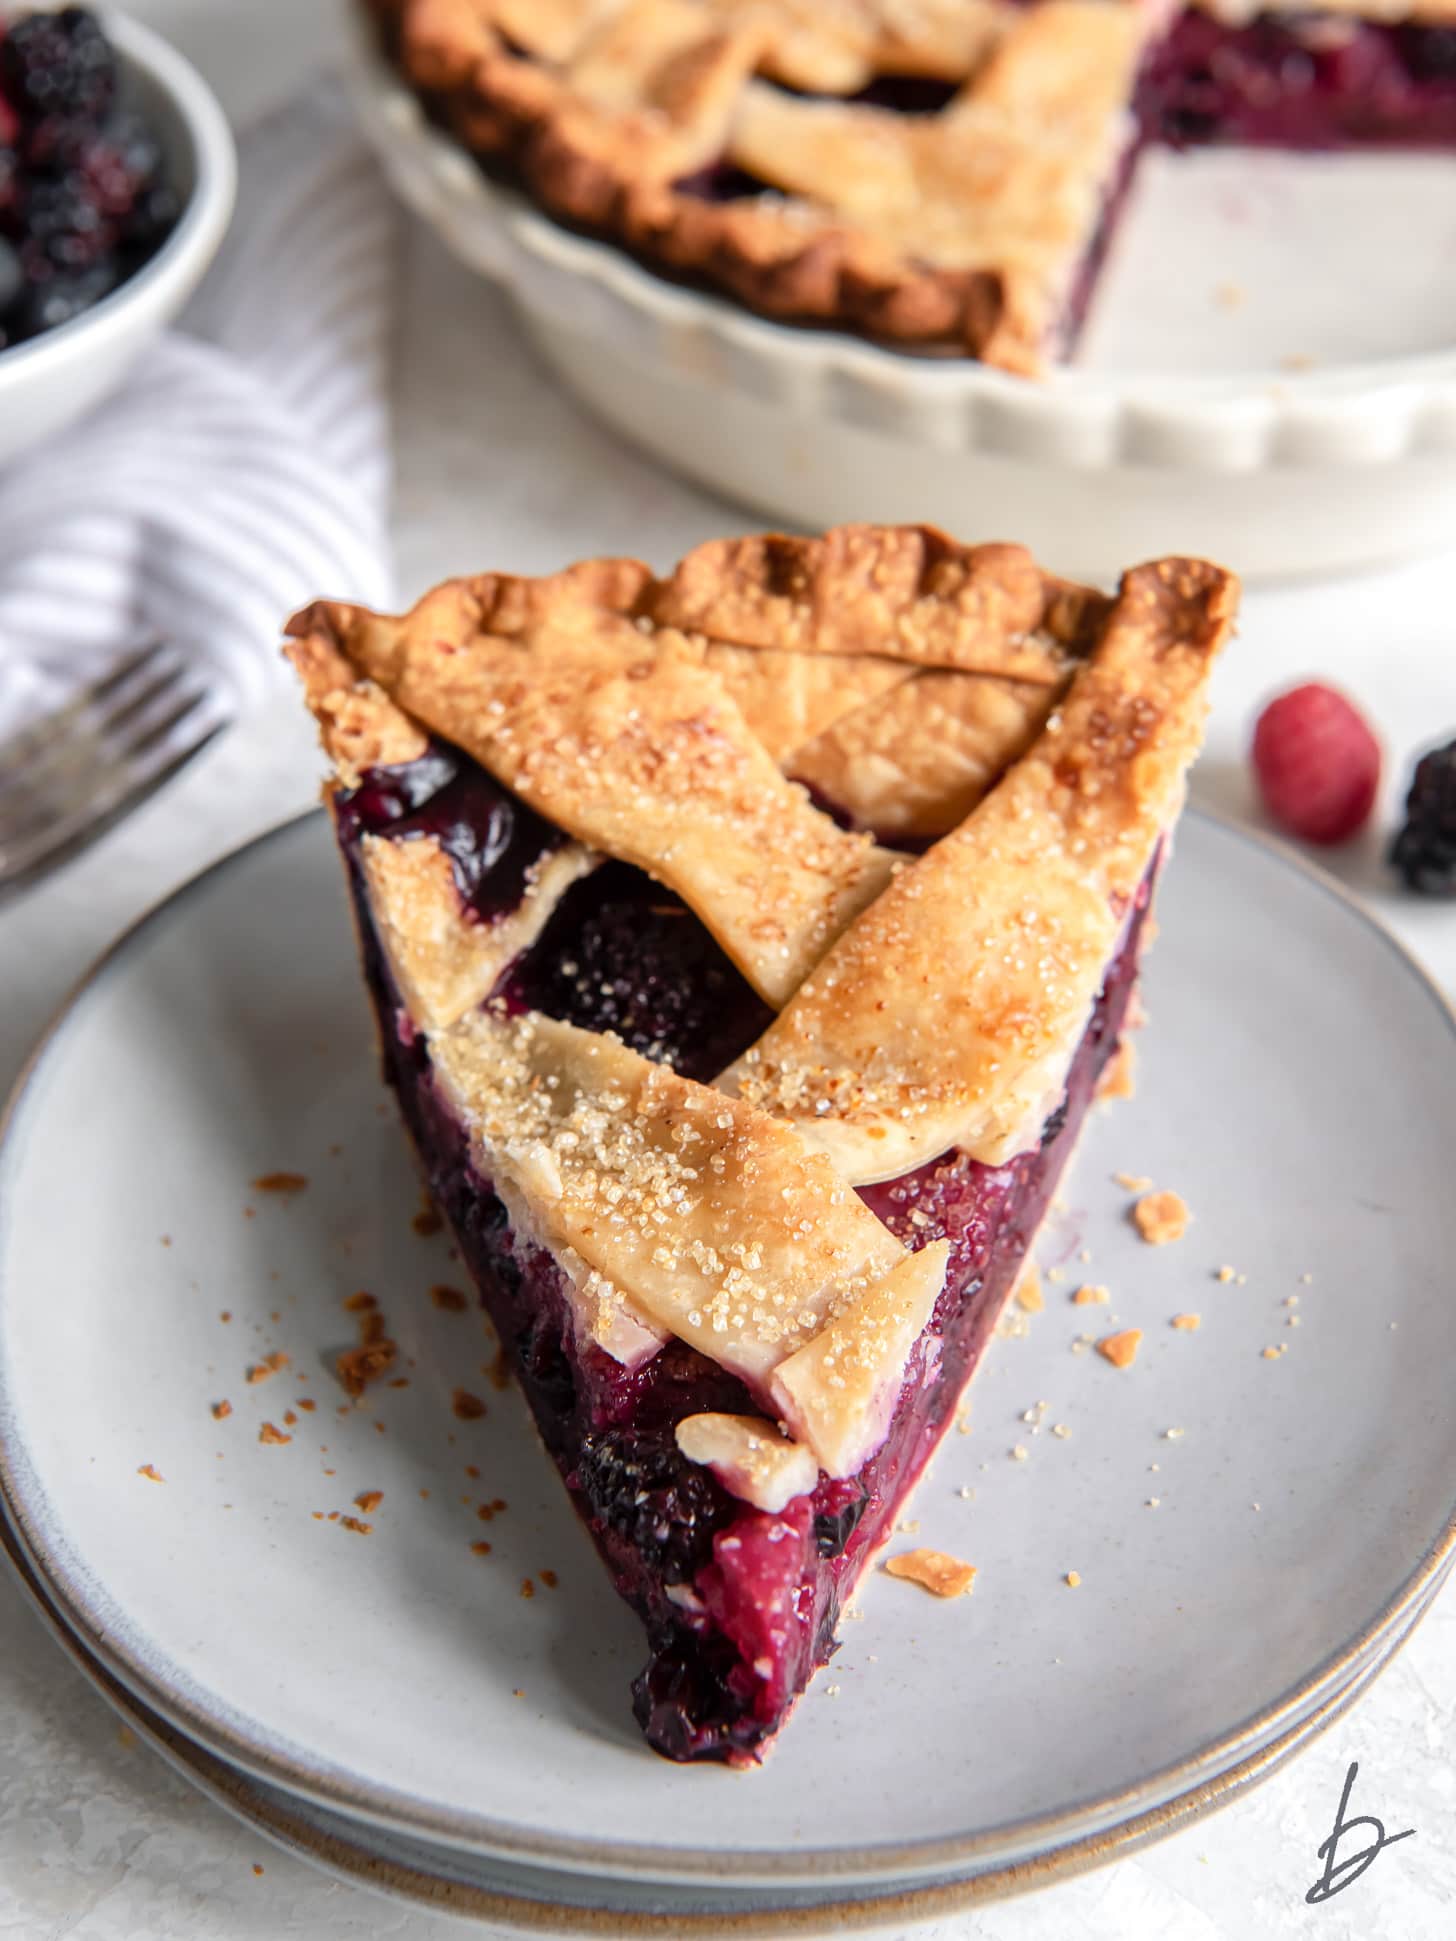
x,y
244,465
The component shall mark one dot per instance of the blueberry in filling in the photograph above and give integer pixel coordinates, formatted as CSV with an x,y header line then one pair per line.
x,y
492,839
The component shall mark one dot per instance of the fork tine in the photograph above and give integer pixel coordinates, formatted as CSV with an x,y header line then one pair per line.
x,y
93,771
128,786
65,749
77,768
149,733
29,742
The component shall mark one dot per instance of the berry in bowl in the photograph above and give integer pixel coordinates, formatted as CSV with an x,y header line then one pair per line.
x,y
117,177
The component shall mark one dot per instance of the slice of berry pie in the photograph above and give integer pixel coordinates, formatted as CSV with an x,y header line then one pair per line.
x,y
939,174
748,946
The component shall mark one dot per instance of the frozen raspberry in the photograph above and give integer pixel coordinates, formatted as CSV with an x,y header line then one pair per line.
x,y
1317,764
1425,850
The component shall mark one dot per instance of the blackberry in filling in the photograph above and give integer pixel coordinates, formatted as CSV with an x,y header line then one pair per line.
x,y
740,1605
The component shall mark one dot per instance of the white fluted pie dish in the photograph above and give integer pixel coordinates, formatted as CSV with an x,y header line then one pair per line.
x,y
1307,426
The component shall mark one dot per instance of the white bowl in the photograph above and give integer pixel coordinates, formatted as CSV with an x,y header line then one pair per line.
x,y
55,378
1295,472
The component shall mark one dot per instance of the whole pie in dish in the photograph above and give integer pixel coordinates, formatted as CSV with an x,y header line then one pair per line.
x,y
748,946
935,173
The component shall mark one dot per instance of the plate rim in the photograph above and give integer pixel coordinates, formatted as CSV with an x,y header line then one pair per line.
x,y
233,1791
1027,1843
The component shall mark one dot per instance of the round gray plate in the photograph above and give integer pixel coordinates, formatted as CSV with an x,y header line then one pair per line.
x,y
1299,1088
515,1899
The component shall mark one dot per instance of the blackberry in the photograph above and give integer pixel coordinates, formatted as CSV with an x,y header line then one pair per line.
x,y
12,278
151,219
1424,852
57,68
63,226
116,164
622,954
62,296
1429,52
653,1498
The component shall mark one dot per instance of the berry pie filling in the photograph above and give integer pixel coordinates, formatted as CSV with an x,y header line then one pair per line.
x,y
740,1604
1300,80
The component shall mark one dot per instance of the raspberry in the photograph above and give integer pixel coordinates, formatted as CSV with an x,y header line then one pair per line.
x,y
1425,850
1317,764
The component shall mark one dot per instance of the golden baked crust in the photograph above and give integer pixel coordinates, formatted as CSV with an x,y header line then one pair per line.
x,y
960,229
750,1456
650,718
909,592
800,634
717,1221
1041,730
947,1014
631,745
916,761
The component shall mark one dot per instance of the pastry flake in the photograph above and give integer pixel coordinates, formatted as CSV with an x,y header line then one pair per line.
x,y
1160,1217
935,1571
1121,1349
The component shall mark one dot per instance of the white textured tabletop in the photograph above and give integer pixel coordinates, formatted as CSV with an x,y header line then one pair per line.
x,y
98,1841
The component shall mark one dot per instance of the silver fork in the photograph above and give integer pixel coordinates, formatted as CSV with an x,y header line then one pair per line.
x,y
75,773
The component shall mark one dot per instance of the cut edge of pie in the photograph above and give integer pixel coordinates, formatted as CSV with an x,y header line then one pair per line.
x,y
743,1118
942,177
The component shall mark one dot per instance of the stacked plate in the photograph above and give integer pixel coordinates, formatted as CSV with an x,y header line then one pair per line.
x,y
372,1627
